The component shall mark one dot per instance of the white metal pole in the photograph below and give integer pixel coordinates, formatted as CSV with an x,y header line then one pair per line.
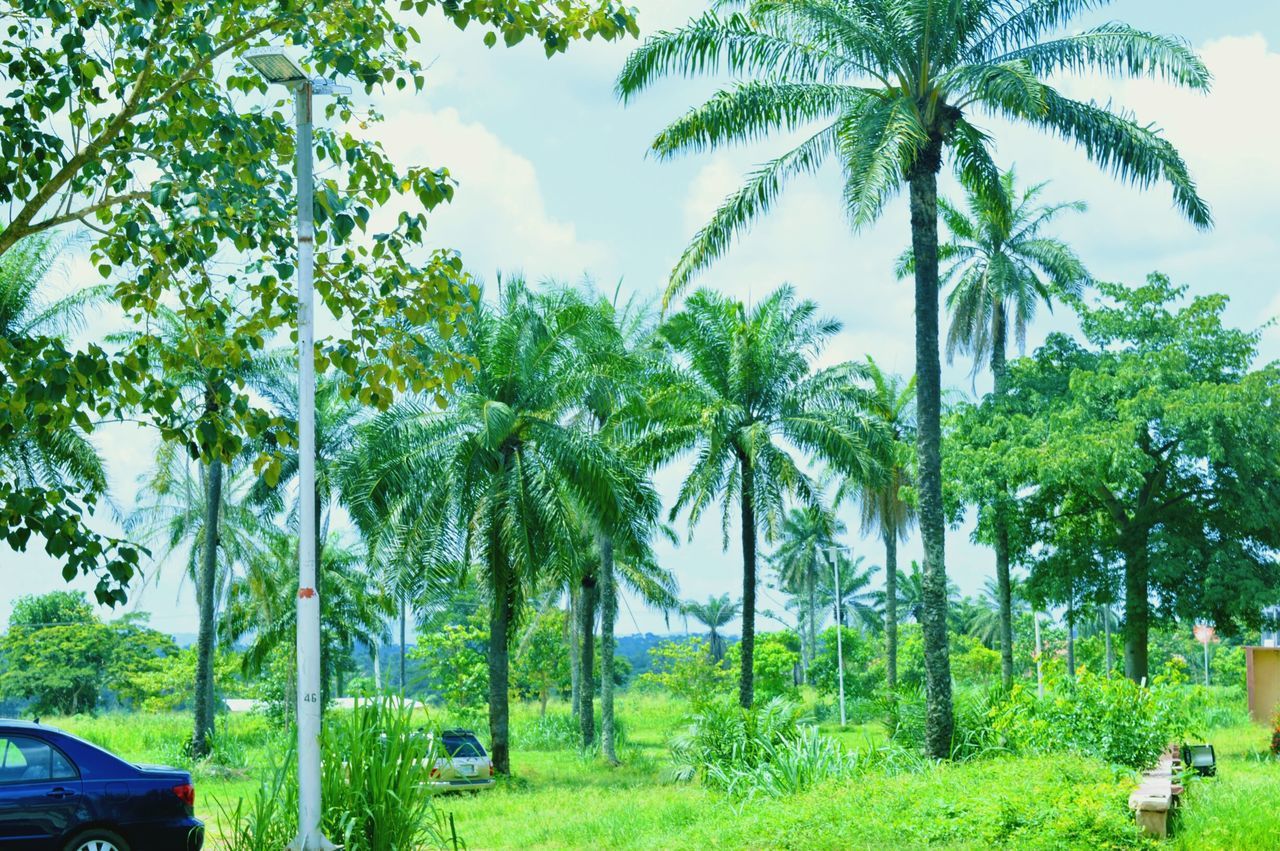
x,y
309,836
835,565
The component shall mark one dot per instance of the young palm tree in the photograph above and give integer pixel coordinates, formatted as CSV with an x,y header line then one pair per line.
x,y
858,603
896,87
714,614
913,593
261,605
1001,265
806,533
987,622
501,475
45,457
880,504
195,505
745,384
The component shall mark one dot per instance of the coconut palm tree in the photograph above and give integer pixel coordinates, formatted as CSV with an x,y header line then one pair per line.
x,y
45,457
1001,264
743,384
501,476
714,614
806,533
881,505
895,88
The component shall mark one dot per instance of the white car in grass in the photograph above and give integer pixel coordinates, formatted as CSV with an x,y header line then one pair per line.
x,y
461,762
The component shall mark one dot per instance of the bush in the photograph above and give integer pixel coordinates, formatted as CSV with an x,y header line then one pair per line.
x,y
1112,719
686,670
558,731
768,750
1275,736
374,788
775,661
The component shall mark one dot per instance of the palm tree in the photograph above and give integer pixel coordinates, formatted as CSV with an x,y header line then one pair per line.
x,y
880,499
1002,264
859,604
714,614
203,383
913,593
986,624
186,504
806,532
501,475
45,457
896,86
261,606
743,385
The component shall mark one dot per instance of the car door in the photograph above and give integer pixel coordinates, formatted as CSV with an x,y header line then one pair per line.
x,y
40,792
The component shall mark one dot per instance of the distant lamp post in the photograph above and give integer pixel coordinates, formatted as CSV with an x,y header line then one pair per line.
x,y
1204,634
833,556
277,67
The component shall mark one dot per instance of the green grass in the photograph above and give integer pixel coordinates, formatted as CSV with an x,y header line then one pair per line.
x,y
561,799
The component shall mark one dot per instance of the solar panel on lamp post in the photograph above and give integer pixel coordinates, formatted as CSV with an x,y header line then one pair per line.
x,y
277,67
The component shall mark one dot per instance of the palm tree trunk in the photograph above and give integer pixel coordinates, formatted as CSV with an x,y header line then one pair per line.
x,y
891,608
1106,632
587,678
376,652
575,653
404,609
1000,517
939,722
1133,544
206,589
813,619
499,657
746,683
608,613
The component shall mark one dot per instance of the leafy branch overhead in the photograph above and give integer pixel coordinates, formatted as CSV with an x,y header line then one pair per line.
x,y
179,160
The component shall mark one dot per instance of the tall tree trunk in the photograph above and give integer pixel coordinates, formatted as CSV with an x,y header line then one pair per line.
x,y
404,610
1000,513
1071,639
376,651
746,684
587,683
608,614
499,657
1133,543
813,622
206,589
891,608
1106,631
939,722
1035,621
575,652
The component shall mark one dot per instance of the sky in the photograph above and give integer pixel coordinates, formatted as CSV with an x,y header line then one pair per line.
x,y
554,182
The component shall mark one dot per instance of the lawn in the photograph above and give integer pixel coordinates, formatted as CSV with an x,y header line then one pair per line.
x,y
560,799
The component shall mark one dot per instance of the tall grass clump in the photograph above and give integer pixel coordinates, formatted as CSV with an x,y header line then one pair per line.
x,y
769,750
373,784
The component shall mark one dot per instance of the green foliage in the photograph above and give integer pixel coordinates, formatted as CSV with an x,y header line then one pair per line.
x,y
541,663
687,671
972,662
455,656
722,736
774,665
1113,719
863,669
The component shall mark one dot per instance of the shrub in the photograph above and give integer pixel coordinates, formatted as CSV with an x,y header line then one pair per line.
x,y
558,731
373,788
1112,719
777,656
768,750
686,670
1275,736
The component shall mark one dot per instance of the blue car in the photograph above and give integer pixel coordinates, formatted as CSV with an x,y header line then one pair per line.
x,y
60,793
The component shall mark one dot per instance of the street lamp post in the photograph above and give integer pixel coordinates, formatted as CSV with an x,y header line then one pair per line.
x,y
277,67
833,555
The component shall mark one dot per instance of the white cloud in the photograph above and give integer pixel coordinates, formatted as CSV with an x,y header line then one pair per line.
x,y
498,217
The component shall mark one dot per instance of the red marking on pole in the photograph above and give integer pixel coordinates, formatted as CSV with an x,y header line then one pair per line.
x,y
306,593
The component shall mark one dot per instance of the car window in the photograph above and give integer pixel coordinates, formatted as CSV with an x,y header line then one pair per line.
x,y
27,760
463,746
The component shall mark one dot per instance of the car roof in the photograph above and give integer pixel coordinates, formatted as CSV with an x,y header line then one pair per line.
x,y
459,732
19,724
